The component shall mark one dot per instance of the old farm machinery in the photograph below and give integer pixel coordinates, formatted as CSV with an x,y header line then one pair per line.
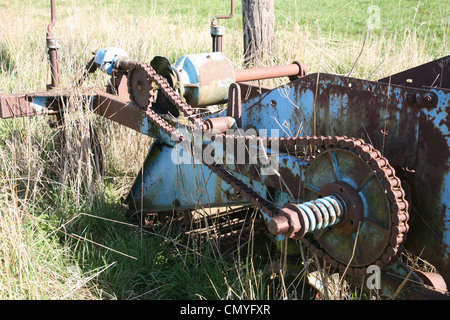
x,y
312,155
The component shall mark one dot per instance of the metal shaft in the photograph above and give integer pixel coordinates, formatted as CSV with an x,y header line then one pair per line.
x,y
298,219
217,32
226,16
52,44
216,43
289,70
53,19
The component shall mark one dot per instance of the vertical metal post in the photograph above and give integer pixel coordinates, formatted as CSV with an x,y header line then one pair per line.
x,y
217,32
53,44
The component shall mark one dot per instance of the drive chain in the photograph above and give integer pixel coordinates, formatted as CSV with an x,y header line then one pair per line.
x,y
384,171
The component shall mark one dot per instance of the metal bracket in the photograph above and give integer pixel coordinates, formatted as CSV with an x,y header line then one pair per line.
x,y
53,43
234,103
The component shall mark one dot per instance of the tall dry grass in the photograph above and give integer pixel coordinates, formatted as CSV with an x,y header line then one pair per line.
x,y
37,176
33,265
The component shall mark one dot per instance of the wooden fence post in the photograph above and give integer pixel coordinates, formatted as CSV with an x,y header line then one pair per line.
x,y
259,30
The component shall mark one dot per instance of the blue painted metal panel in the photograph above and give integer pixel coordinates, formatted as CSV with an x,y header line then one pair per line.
x,y
411,133
164,185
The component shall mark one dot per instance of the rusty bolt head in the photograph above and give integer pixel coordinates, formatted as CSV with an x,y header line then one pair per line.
x,y
278,225
298,221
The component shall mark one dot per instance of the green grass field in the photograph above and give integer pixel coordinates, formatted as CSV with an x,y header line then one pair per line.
x,y
63,230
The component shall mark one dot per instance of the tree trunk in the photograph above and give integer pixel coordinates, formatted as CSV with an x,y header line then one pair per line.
x,y
259,30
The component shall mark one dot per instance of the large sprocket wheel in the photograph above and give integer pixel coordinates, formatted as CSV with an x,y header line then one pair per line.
x,y
140,87
371,233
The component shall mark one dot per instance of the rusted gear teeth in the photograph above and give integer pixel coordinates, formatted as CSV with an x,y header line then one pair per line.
x,y
394,194
140,87
386,174
165,89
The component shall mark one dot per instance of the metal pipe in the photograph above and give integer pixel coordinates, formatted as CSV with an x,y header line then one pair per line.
x,y
54,67
53,19
216,43
289,70
298,219
53,45
218,31
226,16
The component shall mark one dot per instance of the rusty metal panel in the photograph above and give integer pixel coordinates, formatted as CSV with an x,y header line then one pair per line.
x,y
408,125
15,106
25,105
165,185
432,74
119,110
40,103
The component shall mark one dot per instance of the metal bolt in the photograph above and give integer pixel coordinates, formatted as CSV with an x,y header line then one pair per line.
x,y
297,219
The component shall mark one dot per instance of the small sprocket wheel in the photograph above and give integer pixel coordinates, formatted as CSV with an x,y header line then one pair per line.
x,y
140,87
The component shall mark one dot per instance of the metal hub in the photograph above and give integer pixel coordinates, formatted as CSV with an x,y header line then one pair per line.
x,y
363,236
353,203
140,88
